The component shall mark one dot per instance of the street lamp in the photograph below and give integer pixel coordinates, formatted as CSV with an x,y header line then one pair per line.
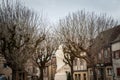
x,y
100,65
83,54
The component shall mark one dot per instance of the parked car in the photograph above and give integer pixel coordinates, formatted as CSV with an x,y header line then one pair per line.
x,y
2,77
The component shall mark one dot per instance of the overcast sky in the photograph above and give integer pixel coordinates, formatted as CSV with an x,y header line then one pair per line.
x,y
55,9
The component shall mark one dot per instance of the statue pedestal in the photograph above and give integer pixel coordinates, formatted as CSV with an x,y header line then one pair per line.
x,y
60,76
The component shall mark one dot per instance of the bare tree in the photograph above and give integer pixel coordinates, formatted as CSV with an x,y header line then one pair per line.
x,y
19,34
77,32
44,53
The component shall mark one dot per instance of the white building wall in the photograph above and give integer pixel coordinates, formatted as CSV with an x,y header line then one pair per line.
x,y
116,46
116,62
81,65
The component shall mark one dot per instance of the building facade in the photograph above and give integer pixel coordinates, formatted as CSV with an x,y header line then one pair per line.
x,y
116,58
104,64
32,70
80,69
102,54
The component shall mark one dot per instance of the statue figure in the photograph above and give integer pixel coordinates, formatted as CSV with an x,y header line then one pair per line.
x,y
61,66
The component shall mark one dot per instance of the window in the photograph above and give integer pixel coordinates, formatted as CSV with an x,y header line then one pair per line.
x,y
99,56
81,62
116,54
79,77
84,77
105,54
109,51
118,71
109,71
98,72
81,65
91,72
75,62
75,76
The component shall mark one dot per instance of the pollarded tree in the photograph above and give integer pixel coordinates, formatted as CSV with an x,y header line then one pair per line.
x,y
44,52
19,34
77,32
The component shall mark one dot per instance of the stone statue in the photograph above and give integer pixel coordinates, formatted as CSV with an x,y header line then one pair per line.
x,y
59,58
62,68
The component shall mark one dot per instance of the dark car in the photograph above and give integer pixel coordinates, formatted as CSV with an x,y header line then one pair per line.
x,y
2,77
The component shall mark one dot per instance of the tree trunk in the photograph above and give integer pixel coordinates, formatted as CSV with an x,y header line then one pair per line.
x,y
14,76
94,74
72,73
41,73
18,74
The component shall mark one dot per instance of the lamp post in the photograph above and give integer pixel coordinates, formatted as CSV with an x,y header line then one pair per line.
x,y
83,54
100,65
